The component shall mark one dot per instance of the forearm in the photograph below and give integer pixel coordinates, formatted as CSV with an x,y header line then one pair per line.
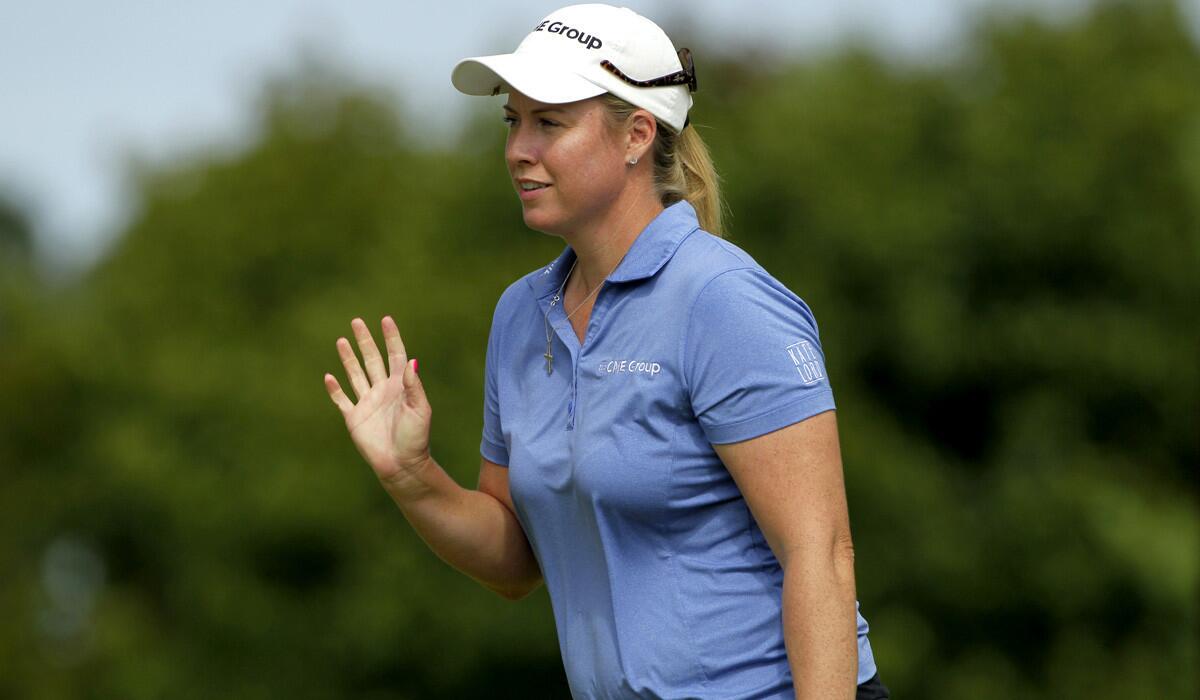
x,y
468,529
819,625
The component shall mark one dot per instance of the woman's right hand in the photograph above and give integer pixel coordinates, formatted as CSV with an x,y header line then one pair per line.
x,y
390,423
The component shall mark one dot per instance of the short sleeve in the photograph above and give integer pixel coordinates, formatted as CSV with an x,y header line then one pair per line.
x,y
492,446
751,357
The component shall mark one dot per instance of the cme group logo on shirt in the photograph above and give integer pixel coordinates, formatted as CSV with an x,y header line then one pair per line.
x,y
808,364
647,368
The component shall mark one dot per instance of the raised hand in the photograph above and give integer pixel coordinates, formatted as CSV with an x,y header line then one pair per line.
x,y
390,423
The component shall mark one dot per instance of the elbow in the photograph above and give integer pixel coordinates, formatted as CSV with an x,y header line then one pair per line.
x,y
515,592
512,594
843,550
835,549
833,559
843,560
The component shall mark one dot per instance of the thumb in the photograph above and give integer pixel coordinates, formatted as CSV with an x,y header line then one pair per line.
x,y
413,388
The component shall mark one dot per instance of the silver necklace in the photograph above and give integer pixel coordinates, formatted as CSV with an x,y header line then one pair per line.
x,y
558,297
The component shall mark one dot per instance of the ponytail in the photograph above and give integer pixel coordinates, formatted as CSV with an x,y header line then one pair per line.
x,y
683,168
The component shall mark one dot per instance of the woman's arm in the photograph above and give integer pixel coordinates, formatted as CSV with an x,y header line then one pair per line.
x,y
792,481
476,532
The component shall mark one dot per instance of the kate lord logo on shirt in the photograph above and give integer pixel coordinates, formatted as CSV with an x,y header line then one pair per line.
x,y
807,362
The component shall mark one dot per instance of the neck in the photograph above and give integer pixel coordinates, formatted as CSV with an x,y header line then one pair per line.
x,y
601,246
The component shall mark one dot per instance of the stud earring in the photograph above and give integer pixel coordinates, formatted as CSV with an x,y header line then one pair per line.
x,y
633,161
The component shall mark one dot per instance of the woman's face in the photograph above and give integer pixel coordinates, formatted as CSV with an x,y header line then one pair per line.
x,y
566,162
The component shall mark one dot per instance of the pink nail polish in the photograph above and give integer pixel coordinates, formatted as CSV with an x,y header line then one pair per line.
x,y
415,366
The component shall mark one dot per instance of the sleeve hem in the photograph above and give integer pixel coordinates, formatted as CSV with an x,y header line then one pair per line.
x,y
493,453
771,420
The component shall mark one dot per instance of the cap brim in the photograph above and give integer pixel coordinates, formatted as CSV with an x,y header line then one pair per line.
x,y
532,76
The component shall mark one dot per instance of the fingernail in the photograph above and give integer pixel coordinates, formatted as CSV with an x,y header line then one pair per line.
x,y
415,366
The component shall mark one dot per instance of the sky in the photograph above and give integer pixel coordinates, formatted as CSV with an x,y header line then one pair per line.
x,y
84,85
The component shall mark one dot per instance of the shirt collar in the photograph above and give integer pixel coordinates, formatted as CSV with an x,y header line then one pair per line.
x,y
653,247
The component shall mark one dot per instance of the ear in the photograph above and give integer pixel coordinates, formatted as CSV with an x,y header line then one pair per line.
x,y
640,134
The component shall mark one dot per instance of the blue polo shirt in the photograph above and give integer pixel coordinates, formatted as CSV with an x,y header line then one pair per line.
x,y
662,584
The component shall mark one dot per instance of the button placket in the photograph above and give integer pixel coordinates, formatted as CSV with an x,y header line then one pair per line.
x,y
599,309
550,306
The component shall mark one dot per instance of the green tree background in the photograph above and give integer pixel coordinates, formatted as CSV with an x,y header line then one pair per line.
x,y
1003,253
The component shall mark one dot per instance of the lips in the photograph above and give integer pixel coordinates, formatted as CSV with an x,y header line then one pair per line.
x,y
530,189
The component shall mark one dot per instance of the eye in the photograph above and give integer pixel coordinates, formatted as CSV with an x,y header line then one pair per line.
x,y
510,121
547,122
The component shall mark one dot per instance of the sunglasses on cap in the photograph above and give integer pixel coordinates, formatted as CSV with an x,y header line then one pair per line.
x,y
687,76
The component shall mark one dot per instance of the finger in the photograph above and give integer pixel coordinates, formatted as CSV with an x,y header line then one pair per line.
x,y
397,357
376,372
414,390
358,380
337,395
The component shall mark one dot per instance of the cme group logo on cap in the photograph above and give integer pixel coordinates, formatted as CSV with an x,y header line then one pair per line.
x,y
556,27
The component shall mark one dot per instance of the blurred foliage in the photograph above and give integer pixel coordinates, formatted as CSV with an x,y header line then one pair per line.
x,y
1002,252
16,255
16,238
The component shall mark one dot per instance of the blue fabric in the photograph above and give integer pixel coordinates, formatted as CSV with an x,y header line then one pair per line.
x,y
662,584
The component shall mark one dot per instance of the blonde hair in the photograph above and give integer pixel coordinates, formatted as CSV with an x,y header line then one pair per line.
x,y
683,168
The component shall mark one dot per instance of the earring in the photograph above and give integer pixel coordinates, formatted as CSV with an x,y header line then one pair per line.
x,y
633,161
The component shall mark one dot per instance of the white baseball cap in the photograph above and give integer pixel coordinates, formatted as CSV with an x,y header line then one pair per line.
x,y
583,51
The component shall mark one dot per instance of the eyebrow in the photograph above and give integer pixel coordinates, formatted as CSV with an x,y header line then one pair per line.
x,y
537,111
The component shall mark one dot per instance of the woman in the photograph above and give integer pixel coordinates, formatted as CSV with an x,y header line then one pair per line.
x,y
659,440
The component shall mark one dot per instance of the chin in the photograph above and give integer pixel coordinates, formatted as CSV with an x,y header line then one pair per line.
x,y
540,221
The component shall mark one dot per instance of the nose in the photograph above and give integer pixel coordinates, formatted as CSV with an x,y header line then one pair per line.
x,y
520,148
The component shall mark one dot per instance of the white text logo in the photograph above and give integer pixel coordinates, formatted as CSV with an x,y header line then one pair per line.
x,y
808,364
630,366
